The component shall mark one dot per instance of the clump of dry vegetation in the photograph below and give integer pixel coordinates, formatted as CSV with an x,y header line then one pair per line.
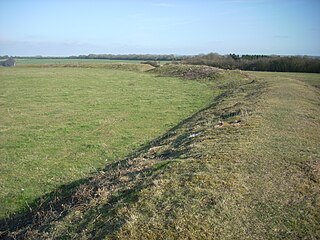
x,y
186,71
152,63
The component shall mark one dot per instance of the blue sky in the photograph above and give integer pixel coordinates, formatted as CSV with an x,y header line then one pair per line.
x,y
73,27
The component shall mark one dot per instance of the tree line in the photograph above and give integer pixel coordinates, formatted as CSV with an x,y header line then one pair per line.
x,y
271,63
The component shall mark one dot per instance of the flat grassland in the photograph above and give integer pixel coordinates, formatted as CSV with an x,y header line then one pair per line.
x,y
58,124
244,167
34,61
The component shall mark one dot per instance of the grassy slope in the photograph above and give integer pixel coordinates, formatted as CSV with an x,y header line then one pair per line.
x,y
256,176
59,124
283,160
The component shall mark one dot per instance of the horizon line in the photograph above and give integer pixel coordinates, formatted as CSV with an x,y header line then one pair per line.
x,y
150,54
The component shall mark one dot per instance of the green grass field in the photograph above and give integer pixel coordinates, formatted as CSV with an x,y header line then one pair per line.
x,y
59,124
244,167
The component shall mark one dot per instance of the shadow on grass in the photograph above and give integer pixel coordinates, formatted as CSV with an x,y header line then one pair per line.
x,y
79,195
57,204
53,202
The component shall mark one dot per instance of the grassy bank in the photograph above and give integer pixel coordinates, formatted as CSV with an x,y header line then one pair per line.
x,y
59,124
245,167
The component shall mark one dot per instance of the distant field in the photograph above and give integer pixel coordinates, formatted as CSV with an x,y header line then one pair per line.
x,y
59,124
71,61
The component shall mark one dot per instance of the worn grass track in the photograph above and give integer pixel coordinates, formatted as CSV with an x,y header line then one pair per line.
x,y
282,161
246,167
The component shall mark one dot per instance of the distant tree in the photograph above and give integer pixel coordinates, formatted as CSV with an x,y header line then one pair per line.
x,y
258,62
